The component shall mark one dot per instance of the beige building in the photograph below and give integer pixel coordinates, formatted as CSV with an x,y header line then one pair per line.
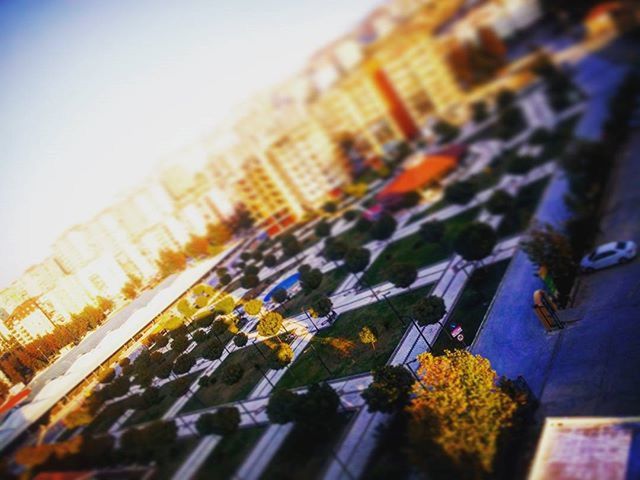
x,y
27,322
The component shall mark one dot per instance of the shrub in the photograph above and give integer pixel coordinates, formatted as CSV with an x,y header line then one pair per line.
x,y
151,396
232,374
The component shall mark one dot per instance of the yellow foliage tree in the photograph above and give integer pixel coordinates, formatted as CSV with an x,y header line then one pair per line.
x,y
458,406
77,418
368,336
253,307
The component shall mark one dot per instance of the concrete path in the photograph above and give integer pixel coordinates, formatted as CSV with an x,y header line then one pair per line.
x,y
196,459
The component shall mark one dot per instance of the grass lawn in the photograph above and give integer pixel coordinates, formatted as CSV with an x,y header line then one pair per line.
x,y
353,237
415,251
389,457
303,455
180,450
340,348
229,454
330,281
219,392
472,306
155,412
439,205
106,418
525,205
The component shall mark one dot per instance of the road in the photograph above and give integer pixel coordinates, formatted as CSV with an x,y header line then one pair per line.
x,y
596,361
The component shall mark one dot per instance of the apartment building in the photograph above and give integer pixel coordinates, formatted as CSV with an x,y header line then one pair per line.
x,y
27,322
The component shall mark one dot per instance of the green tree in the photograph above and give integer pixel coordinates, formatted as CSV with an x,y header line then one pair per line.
x,y
223,421
461,192
280,295
310,279
330,207
183,363
432,231
500,202
357,259
322,229
389,391
479,111
322,306
446,131
546,246
249,281
316,409
384,227
270,260
334,249
402,275
281,406
232,374
240,339
429,310
290,245
475,241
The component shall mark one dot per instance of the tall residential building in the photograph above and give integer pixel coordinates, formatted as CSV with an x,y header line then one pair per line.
x,y
308,161
102,277
110,236
416,69
265,195
40,278
74,249
68,297
27,322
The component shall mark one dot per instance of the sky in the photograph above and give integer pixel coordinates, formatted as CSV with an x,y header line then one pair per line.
x,y
94,93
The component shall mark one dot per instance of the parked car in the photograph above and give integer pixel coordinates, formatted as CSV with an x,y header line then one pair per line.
x,y
611,253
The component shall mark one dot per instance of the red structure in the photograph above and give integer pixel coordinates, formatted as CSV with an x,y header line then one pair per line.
x,y
395,106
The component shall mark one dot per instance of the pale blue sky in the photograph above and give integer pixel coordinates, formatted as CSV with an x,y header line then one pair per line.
x,y
92,93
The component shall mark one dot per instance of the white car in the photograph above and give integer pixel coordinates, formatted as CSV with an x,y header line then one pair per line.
x,y
612,253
